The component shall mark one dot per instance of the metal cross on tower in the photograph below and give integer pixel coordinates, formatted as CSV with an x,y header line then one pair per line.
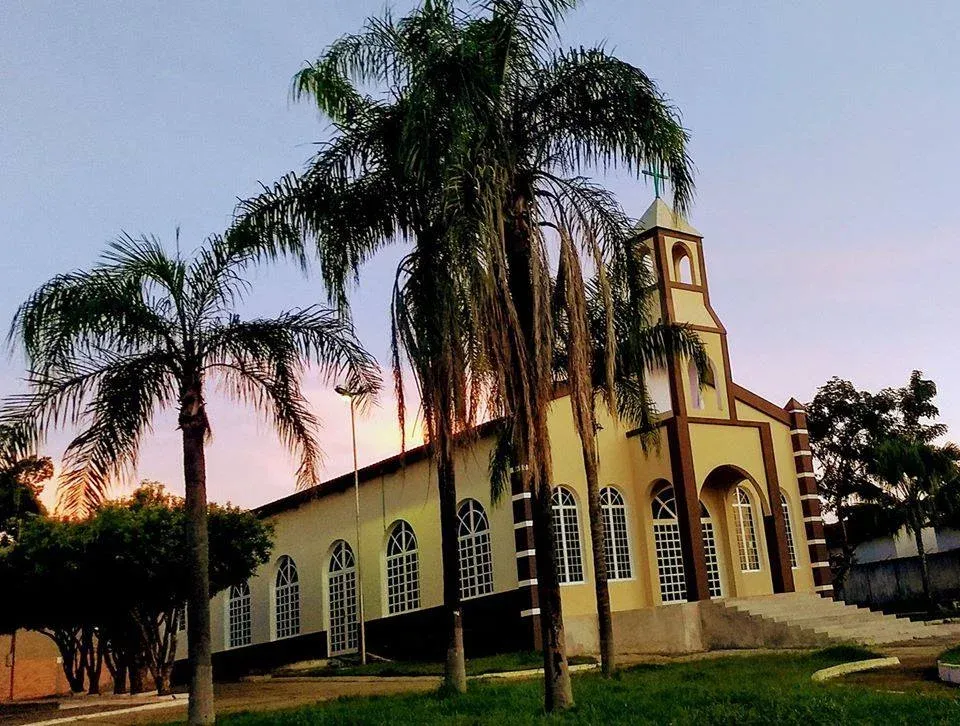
x,y
658,178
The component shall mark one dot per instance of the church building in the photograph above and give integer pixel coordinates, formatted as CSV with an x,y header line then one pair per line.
x,y
724,507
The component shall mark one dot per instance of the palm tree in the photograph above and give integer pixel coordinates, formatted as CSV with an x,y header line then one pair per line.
x,y
506,125
642,343
110,347
359,194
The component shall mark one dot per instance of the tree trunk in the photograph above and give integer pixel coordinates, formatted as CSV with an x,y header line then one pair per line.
x,y
558,690
599,545
924,567
194,426
455,670
558,693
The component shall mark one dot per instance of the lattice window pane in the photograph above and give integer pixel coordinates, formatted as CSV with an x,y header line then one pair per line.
x,y
342,590
239,618
673,584
566,537
403,570
788,525
746,532
475,553
713,562
616,541
287,598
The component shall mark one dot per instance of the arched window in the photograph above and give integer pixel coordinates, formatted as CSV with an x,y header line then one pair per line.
x,y
710,552
473,545
788,525
342,592
566,536
239,625
746,531
616,541
682,267
693,376
287,598
403,569
666,538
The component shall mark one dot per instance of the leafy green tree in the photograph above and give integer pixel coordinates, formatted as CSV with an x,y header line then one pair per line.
x,y
110,347
21,482
507,124
109,589
919,478
845,424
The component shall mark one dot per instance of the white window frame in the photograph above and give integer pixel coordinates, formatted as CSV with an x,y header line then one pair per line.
x,y
239,616
343,628
788,529
403,569
474,550
286,599
748,546
671,576
616,535
711,553
567,547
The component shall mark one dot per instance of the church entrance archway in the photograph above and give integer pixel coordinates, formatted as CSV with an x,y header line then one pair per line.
x,y
739,508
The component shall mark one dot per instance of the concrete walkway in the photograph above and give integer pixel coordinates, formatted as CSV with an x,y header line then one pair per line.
x,y
266,695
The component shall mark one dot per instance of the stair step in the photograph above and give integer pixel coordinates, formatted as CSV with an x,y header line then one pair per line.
x,y
823,618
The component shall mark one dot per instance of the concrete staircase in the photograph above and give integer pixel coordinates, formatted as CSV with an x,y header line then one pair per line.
x,y
808,618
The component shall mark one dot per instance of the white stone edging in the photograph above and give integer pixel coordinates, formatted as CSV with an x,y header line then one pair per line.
x,y
854,667
948,672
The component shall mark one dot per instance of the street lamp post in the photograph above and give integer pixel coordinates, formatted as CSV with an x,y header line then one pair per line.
x,y
351,396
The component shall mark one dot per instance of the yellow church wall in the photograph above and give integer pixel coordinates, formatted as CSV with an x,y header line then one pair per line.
x,y
689,307
308,532
713,398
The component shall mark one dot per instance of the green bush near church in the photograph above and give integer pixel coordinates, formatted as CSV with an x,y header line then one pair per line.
x,y
741,689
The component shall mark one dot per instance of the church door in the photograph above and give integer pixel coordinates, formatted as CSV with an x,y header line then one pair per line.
x,y
342,587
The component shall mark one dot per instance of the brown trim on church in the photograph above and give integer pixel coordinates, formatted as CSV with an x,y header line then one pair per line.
x,y
781,573
809,504
687,286
760,404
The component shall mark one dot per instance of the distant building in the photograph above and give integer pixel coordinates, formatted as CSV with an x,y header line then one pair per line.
x,y
726,506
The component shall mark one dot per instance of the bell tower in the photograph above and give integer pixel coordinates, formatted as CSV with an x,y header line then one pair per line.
x,y
676,255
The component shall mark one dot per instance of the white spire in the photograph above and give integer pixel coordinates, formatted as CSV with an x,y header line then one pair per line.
x,y
660,215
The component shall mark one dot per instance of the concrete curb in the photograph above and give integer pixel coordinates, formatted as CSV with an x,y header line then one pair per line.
x,y
506,675
854,667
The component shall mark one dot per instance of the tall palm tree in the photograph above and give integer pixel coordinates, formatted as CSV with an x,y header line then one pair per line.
x,y
359,194
537,119
110,347
643,343
507,125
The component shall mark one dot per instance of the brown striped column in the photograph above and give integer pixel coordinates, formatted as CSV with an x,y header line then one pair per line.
x,y
522,501
810,499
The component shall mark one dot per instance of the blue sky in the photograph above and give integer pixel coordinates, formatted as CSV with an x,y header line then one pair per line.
x,y
824,135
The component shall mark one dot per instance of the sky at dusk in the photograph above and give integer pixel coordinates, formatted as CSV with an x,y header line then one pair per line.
x,y
824,134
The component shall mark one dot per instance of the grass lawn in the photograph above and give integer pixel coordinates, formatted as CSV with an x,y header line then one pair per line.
x,y
475,666
754,689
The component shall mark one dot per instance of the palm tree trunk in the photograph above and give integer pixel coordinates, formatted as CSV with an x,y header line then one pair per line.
x,y
924,567
558,690
598,540
455,670
193,424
